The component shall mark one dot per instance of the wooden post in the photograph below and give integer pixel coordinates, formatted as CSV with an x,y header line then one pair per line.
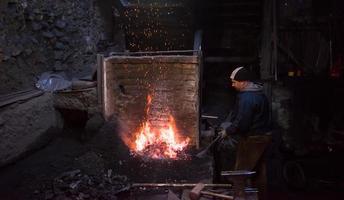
x,y
266,56
199,103
100,92
265,52
274,36
198,41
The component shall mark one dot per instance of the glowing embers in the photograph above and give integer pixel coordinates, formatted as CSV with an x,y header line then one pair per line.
x,y
158,141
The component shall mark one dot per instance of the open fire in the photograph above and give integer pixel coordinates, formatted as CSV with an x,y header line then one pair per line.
x,y
158,141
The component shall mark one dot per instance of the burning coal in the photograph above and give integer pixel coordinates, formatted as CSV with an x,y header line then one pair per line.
x,y
158,140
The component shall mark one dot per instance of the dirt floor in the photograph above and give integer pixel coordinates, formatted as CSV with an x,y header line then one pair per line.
x,y
104,160
103,168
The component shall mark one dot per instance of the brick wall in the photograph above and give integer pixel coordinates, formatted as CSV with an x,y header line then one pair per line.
x,y
171,81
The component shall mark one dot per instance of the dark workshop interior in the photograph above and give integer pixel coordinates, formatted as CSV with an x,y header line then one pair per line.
x,y
116,99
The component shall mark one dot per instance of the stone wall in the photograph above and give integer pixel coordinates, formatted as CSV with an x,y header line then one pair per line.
x,y
44,35
23,126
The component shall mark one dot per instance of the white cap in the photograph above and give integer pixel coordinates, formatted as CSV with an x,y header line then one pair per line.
x,y
235,71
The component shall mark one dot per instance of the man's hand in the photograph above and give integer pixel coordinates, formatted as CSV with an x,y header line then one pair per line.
x,y
223,133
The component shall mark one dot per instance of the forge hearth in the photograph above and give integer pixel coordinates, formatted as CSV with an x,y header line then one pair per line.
x,y
152,93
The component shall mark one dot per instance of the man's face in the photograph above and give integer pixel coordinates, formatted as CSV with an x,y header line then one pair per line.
x,y
238,85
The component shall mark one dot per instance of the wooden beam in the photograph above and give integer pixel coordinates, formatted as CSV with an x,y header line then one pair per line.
x,y
214,59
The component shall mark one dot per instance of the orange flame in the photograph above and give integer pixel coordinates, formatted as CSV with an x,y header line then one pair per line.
x,y
159,141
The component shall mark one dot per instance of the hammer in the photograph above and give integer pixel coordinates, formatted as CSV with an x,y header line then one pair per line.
x,y
196,193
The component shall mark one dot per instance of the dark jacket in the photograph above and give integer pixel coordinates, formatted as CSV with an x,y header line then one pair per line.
x,y
250,115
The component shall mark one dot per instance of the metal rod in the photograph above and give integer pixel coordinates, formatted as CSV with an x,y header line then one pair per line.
x,y
20,97
209,117
203,153
178,185
222,196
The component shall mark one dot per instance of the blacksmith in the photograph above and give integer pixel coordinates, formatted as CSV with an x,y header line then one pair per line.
x,y
246,132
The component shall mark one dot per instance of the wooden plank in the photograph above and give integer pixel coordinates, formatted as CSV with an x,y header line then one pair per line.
x,y
153,53
180,59
144,67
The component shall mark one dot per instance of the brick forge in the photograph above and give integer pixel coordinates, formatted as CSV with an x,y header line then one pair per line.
x,y
140,87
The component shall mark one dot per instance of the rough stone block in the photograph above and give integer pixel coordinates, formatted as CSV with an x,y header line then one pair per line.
x,y
22,125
